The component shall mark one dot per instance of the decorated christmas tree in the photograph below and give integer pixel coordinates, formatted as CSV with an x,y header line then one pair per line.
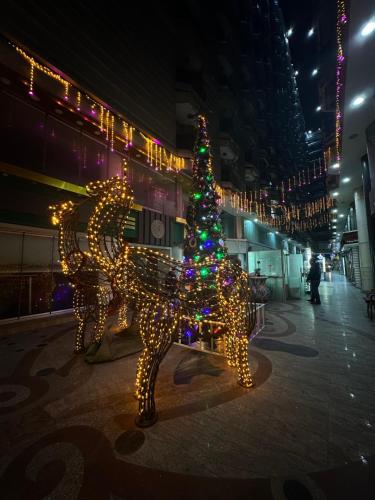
x,y
204,241
204,248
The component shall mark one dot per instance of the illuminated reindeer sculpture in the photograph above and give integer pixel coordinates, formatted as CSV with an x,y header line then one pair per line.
x,y
139,276
91,293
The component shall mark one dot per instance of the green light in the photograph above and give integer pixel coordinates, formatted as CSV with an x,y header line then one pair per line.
x,y
202,149
209,177
204,272
204,235
216,227
198,317
196,258
197,196
219,255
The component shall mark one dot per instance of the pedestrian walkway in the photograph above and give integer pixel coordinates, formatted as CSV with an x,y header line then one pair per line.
x,y
306,431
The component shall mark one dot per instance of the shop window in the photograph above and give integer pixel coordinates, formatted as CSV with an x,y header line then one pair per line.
x,y
63,151
94,160
115,164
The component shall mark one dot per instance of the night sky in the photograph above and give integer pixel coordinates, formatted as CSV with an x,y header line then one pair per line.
x,y
301,15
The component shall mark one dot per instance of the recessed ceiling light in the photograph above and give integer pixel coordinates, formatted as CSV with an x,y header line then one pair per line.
x,y
319,108
310,32
368,28
335,193
334,227
314,72
358,101
334,211
336,165
296,73
346,180
255,220
334,220
341,216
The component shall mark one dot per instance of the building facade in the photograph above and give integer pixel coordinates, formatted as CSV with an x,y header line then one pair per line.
x,y
81,93
354,234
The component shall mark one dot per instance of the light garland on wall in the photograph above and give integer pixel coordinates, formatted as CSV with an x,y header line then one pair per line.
x,y
293,216
157,156
342,19
115,128
243,202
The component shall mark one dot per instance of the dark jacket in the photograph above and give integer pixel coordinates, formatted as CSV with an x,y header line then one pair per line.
x,y
314,273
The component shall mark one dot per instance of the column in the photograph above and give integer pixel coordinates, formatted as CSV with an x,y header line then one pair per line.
x,y
363,241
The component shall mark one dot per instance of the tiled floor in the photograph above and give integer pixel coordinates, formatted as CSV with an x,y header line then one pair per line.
x,y
306,431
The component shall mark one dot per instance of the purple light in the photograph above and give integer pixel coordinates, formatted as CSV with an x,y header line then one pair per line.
x,y
206,310
156,141
189,273
31,92
65,97
228,281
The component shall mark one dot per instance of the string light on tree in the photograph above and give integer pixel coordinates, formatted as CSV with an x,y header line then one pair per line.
x,y
204,229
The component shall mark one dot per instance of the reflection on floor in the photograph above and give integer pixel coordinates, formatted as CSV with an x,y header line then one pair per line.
x,y
306,431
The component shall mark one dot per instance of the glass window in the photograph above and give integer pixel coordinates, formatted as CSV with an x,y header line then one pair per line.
x,y
63,151
22,133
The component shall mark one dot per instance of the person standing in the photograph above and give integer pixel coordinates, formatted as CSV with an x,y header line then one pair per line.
x,y
314,278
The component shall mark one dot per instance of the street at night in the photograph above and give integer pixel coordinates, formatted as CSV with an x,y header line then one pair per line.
x,y
187,250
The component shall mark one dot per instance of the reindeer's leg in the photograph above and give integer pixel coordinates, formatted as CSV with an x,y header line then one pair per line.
x,y
78,306
123,315
147,370
242,361
229,346
101,313
158,338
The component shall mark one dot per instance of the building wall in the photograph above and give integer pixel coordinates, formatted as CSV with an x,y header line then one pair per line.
x,y
122,53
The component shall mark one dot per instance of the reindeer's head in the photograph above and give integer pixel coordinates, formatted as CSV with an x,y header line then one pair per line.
x,y
113,191
61,211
